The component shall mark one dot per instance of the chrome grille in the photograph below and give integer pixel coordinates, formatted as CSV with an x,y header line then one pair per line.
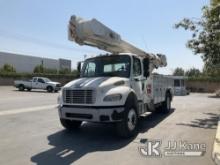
x,y
78,96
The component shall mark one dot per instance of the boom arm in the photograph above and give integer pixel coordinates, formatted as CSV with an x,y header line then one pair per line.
x,y
94,33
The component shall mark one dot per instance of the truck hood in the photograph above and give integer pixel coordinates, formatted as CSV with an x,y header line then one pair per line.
x,y
53,83
97,82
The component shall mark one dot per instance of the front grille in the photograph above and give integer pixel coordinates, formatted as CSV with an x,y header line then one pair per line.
x,y
78,96
58,85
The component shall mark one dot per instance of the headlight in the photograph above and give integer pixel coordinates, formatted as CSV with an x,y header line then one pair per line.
x,y
60,97
113,97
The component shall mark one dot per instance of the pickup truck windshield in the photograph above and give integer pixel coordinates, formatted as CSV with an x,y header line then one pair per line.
x,y
107,66
46,80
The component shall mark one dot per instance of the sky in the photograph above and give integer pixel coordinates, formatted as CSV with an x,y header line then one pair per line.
x,y
39,28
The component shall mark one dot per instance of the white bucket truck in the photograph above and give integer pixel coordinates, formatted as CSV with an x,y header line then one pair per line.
x,y
117,87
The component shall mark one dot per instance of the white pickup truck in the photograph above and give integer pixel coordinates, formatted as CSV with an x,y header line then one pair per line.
x,y
38,83
117,87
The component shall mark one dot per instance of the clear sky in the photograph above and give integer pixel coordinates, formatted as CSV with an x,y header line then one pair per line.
x,y
39,28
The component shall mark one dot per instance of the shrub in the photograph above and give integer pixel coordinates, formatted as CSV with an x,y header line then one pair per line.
x,y
7,68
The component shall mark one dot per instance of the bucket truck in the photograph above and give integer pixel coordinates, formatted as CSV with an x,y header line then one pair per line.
x,y
118,87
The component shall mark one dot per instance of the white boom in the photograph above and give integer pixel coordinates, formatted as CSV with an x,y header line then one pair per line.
x,y
94,33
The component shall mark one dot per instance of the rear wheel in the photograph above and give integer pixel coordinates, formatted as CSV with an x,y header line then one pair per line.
x,y
128,127
70,124
166,106
21,88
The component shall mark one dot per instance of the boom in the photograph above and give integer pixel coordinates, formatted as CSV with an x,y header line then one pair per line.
x,y
94,33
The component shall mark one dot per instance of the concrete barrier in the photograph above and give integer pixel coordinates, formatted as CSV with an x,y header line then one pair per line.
x,y
202,86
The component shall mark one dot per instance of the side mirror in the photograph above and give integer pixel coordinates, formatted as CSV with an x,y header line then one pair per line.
x,y
79,67
146,64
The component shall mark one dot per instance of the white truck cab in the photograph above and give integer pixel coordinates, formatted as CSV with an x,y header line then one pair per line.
x,y
117,87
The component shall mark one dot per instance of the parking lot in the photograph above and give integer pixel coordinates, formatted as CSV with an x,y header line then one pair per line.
x,y
30,132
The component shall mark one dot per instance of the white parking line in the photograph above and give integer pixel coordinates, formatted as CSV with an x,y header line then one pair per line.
x,y
22,110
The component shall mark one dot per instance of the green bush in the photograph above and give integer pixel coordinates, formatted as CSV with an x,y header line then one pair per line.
x,y
204,78
39,69
7,68
65,71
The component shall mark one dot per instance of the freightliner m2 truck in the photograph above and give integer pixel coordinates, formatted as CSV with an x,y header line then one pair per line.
x,y
118,87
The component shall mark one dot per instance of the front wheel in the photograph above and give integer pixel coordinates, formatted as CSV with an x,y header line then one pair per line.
x,y
128,127
70,124
29,89
21,88
49,89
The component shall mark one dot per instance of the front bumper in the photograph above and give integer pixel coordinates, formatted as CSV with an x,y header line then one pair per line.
x,y
91,113
57,88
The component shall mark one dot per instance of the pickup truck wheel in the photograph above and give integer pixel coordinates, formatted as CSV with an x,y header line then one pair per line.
x,y
29,89
70,124
49,89
21,88
128,127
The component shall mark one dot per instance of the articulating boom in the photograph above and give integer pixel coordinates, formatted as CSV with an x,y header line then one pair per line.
x,y
94,33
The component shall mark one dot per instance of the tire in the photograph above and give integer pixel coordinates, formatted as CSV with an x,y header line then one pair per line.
x,y
166,105
49,89
70,124
21,87
29,89
129,126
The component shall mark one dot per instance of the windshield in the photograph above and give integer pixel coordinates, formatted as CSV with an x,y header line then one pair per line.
x,y
46,79
113,65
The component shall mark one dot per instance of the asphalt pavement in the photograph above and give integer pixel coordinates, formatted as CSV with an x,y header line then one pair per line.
x,y
30,133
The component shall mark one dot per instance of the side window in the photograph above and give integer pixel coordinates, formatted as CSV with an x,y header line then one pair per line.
x,y
35,80
136,67
176,83
40,80
90,69
183,83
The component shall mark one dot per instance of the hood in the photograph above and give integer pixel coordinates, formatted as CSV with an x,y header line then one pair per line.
x,y
96,82
53,83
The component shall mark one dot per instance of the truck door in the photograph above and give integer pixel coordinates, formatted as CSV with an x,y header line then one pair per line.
x,y
37,83
41,83
34,82
137,78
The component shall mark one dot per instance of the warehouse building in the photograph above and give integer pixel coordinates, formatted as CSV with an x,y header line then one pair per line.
x,y
26,64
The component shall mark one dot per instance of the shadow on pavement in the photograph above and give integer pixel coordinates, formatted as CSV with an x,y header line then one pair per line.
x,y
69,147
152,120
210,122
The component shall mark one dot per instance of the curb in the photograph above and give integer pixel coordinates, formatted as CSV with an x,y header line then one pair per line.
x,y
216,147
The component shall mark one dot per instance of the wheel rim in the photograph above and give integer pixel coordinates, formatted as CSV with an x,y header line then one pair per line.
x,y
132,119
168,103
